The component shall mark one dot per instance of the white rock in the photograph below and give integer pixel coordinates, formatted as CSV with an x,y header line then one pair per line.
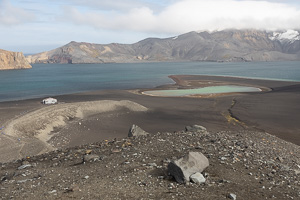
x,y
232,196
197,178
24,166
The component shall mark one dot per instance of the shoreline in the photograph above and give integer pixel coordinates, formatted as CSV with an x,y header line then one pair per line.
x,y
182,83
183,80
177,81
273,111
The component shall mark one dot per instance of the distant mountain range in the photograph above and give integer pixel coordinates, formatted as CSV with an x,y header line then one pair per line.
x,y
13,60
221,46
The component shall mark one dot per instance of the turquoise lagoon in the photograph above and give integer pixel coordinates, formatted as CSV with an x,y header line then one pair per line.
x,y
204,91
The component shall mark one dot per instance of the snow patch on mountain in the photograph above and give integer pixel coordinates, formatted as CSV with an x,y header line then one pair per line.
x,y
288,36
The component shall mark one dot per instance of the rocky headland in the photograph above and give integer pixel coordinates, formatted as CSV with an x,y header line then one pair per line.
x,y
219,46
13,60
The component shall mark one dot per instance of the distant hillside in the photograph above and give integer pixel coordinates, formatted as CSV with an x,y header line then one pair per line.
x,y
223,46
12,60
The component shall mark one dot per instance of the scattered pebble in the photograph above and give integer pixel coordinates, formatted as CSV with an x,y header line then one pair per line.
x,y
136,168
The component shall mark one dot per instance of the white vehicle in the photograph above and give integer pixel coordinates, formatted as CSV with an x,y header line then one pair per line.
x,y
50,101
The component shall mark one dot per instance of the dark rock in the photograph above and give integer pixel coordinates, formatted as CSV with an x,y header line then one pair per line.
x,y
183,168
136,131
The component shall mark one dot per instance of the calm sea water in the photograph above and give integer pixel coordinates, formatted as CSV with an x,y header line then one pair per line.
x,y
55,79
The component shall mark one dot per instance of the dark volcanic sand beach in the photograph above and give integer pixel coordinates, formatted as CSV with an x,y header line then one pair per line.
x,y
275,111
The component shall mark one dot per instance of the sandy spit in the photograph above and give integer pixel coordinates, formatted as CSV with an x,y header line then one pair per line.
x,y
38,125
43,121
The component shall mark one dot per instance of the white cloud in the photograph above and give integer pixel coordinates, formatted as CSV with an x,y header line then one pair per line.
x,y
12,15
187,15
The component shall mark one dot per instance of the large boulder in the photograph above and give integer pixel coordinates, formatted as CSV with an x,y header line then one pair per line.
x,y
136,131
184,167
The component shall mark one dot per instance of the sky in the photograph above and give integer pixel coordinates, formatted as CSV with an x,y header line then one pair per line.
x,y
33,26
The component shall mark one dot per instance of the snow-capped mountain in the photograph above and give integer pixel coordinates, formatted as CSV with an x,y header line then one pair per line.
x,y
288,36
221,46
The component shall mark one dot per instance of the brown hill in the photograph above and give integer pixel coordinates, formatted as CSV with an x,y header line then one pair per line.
x,y
224,46
13,60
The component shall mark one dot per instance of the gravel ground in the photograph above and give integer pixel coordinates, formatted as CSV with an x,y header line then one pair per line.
x,y
250,165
